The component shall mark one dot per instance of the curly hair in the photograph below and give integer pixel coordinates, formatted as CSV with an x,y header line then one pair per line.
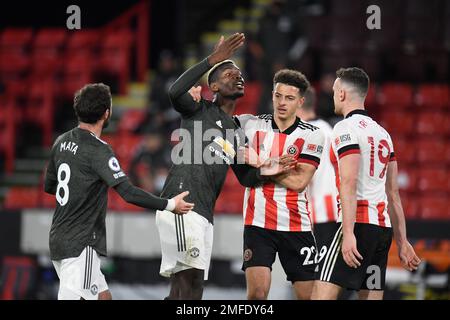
x,y
91,102
292,78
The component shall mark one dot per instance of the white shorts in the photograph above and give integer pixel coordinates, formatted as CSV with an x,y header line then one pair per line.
x,y
80,276
186,242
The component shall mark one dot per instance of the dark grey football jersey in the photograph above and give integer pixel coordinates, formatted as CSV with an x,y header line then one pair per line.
x,y
82,167
204,171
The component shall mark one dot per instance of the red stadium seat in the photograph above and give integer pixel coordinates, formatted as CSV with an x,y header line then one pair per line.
x,y
127,148
40,108
433,123
434,207
433,96
404,152
15,39
83,41
410,205
407,178
432,179
431,151
77,72
21,197
396,95
398,122
115,56
47,50
130,120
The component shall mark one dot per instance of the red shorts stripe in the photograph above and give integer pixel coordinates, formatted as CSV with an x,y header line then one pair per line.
x,y
250,212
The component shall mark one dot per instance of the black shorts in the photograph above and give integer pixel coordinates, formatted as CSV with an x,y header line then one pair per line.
x,y
296,251
322,233
373,243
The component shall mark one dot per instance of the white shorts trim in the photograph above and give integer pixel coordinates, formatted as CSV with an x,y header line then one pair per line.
x,y
80,277
186,242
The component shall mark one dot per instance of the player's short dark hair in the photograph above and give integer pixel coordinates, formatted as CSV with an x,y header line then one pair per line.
x,y
356,77
213,75
91,102
310,99
292,78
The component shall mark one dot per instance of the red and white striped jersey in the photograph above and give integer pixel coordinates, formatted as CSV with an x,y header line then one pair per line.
x,y
272,206
358,133
322,190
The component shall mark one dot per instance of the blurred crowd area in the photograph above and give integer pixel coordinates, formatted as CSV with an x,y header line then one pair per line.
x,y
407,61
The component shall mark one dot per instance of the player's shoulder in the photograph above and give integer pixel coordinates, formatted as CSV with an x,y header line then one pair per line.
x,y
306,126
268,117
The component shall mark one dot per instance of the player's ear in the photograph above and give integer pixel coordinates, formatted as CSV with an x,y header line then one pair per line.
x,y
342,95
214,87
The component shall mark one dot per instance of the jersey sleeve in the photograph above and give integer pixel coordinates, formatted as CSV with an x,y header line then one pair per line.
x,y
392,156
50,181
106,165
312,148
345,140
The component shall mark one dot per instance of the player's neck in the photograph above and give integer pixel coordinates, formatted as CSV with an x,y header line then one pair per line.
x,y
357,105
96,128
283,124
227,105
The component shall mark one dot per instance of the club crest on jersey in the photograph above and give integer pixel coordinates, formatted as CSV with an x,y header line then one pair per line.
x,y
113,164
194,252
94,289
292,150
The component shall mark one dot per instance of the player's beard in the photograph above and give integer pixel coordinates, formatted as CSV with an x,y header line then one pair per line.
x,y
235,95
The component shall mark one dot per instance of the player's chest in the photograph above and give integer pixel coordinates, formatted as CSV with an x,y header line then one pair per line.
x,y
270,143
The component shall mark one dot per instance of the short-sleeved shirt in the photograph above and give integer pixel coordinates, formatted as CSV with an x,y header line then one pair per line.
x,y
359,134
271,205
82,167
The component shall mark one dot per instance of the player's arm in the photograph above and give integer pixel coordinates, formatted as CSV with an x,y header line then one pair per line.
x,y
248,176
349,155
408,257
179,95
50,181
296,179
144,199
308,162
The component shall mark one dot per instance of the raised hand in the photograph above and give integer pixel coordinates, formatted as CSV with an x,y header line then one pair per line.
x,y
196,93
224,49
181,206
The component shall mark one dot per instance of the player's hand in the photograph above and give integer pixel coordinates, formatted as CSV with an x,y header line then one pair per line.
x,y
410,261
250,156
224,49
196,93
181,206
276,166
350,252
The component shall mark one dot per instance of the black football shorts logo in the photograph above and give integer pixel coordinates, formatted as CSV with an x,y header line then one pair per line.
x,y
247,255
194,252
292,150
